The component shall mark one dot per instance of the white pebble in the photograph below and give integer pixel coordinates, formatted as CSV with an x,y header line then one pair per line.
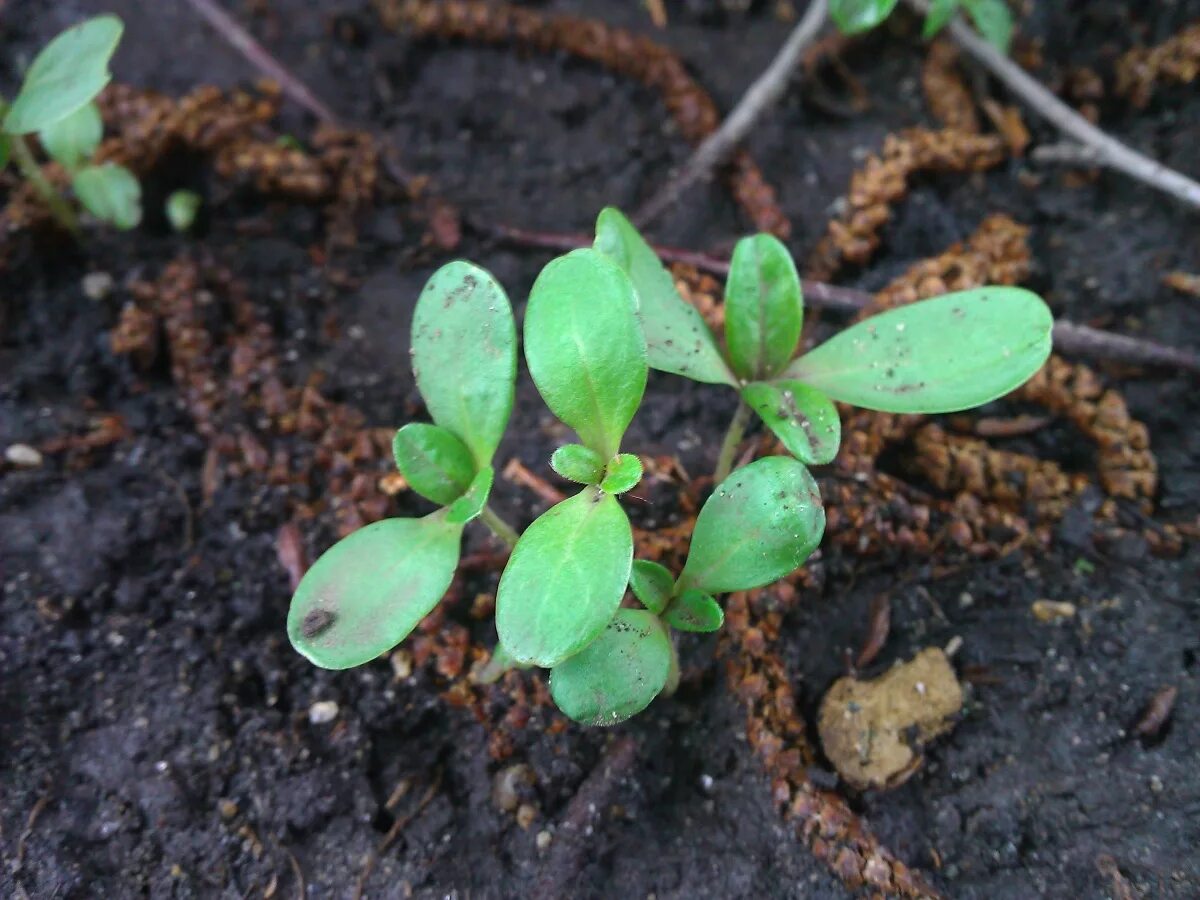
x,y
23,455
323,712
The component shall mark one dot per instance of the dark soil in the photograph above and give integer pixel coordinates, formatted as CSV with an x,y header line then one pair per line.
x,y
155,737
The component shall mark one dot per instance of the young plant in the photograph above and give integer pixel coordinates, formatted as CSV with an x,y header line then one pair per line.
x,y
57,103
368,592
991,17
900,361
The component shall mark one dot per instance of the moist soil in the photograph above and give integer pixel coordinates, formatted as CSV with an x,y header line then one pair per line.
x,y
155,729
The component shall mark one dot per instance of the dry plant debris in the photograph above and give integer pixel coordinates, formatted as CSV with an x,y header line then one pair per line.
x,y
1143,69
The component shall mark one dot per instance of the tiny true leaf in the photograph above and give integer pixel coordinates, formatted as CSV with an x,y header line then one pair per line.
x,y
804,419
760,524
694,610
584,347
935,356
69,71
853,16
764,308
565,579
618,674
72,141
994,21
677,338
940,12
623,473
577,463
370,589
436,464
652,584
464,350
111,193
471,503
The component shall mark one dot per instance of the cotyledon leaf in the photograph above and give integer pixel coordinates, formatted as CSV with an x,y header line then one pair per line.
x,y
652,583
935,356
436,464
473,500
694,610
72,140
677,338
803,418
618,674
854,16
368,591
764,307
110,192
584,347
565,579
760,524
464,352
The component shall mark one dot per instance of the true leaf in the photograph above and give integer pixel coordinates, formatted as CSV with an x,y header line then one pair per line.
x,y
694,610
617,675
436,464
69,71
584,347
111,193
464,351
760,524
940,12
623,473
471,503
565,579
677,338
73,140
935,356
576,462
370,589
764,308
853,16
652,584
804,419
994,21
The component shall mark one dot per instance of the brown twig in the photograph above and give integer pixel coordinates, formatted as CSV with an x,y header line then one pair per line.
x,y
1157,712
394,832
1070,338
27,832
583,813
517,472
879,625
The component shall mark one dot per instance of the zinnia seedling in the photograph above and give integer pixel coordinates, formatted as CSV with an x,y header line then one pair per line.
x,y
992,17
596,320
57,102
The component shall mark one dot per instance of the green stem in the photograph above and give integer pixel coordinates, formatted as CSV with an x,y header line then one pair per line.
x,y
499,527
59,208
733,437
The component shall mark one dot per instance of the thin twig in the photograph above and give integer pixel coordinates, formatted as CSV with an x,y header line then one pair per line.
x,y
1070,338
394,832
1107,150
760,97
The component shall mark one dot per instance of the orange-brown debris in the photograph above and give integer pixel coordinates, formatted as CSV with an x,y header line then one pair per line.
x,y
620,51
1175,61
946,94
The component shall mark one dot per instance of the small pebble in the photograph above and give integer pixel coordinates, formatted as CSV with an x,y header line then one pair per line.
x,y
543,839
23,455
97,285
506,785
526,813
227,808
1052,610
706,782
1156,784
402,664
322,712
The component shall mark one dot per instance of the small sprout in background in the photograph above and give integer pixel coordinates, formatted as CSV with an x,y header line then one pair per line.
x,y
181,209
992,18
854,16
56,101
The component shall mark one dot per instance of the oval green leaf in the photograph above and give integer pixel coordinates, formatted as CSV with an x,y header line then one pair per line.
x,y
623,473
994,20
694,610
181,208
939,14
936,356
677,338
853,16
370,589
584,347
577,463
759,525
565,579
653,584
764,307
464,351
436,464
618,674
471,504
111,193
804,419
73,140
71,70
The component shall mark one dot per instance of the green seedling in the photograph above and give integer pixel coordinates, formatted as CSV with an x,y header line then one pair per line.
x,y
597,319
901,361
181,208
57,103
992,18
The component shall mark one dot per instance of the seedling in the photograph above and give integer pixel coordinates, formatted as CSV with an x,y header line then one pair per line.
x,y
181,208
991,17
596,320
57,103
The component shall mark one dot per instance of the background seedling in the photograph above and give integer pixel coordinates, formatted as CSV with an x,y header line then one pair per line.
x,y
992,18
56,101
181,209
